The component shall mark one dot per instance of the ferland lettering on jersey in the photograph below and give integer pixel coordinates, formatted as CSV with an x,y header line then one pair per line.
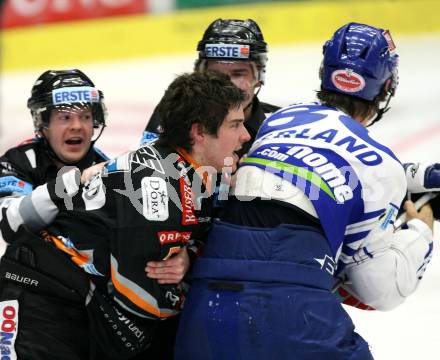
x,y
360,150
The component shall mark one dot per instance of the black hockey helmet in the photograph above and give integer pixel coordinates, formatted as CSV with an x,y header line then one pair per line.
x,y
62,89
234,40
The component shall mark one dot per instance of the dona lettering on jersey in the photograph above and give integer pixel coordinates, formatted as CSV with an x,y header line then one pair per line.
x,y
154,198
8,329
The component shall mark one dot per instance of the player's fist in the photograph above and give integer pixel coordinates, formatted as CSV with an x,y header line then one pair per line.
x,y
425,213
90,172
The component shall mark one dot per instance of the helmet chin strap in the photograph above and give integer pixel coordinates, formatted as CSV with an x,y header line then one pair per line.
x,y
250,102
383,110
99,135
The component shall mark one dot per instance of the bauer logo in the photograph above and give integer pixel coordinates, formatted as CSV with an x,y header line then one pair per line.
x,y
234,51
155,198
8,329
347,80
70,95
21,279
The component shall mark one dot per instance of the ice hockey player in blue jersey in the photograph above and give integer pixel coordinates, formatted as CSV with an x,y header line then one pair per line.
x,y
315,200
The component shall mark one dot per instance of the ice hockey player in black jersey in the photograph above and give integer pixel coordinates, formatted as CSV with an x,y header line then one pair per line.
x,y
67,110
69,115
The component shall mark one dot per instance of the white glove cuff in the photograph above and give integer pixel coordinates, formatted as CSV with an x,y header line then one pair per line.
x,y
415,176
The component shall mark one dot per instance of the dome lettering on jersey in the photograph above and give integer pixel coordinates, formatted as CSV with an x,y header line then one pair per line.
x,y
276,130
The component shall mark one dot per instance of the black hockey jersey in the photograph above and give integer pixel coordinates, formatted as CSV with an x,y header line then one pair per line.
x,y
144,206
22,170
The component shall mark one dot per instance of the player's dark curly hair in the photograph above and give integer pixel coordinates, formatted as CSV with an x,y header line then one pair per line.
x,y
203,98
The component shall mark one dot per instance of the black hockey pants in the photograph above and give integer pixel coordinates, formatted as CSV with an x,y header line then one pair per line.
x,y
43,297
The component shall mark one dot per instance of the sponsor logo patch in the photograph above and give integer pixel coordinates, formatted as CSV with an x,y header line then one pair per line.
x,y
188,216
327,263
228,51
8,329
414,168
70,95
347,80
391,46
155,198
389,217
168,237
14,185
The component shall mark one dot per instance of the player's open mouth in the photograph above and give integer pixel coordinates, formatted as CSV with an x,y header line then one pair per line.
x,y
74,141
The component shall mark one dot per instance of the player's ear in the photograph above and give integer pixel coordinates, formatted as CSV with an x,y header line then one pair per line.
x,y
387,86
197,132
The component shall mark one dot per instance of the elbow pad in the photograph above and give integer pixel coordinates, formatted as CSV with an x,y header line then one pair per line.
x,y
393,272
